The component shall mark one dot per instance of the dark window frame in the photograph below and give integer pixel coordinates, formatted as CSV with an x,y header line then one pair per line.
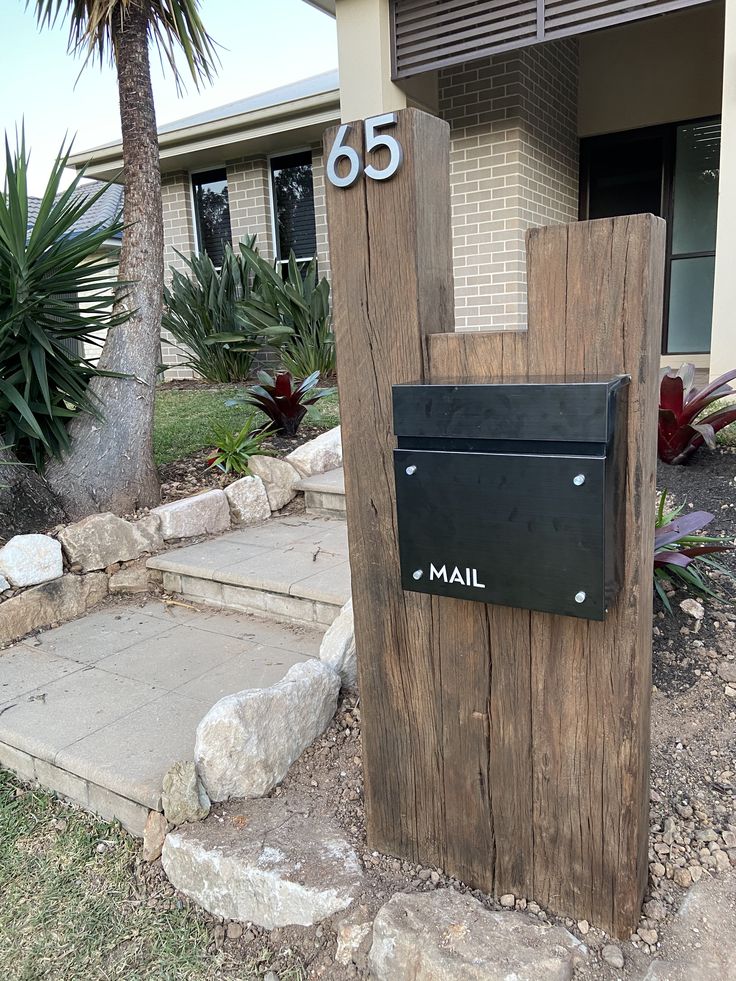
x,y
667,132
273,161
199,177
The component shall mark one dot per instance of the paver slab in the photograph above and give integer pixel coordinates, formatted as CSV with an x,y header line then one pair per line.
x,y
259,667
131,755
99,634
23,669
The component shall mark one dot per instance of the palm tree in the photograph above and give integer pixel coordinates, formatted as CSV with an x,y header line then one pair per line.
x,y
109,465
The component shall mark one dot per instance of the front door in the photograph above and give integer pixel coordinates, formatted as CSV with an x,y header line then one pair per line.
x,y
670,171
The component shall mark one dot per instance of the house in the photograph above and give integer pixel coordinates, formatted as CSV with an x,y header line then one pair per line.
x,y
558,109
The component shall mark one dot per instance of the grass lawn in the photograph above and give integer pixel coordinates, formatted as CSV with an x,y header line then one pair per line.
x,y
185,418
74,905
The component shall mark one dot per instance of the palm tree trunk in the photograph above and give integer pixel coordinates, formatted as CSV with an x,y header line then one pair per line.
x,y
26,502
110,464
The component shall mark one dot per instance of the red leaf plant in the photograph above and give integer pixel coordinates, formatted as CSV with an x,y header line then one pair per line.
x,y
682,428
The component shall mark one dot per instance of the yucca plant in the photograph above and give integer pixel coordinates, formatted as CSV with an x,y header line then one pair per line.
x,y
681,556
682,426
294,312
56,294
235,447
283,400
204,309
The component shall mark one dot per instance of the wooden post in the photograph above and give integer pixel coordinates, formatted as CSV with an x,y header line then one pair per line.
x,y
509,747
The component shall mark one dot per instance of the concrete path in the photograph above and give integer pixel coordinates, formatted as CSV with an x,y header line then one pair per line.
x,y
98,709
294,568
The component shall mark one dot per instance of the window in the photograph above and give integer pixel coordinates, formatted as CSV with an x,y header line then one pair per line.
x,y
293,206
671,171
212,213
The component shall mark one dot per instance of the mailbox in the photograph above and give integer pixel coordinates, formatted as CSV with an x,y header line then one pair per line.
x,y
512,493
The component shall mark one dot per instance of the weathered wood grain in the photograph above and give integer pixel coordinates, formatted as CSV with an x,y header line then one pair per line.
x,y
509,747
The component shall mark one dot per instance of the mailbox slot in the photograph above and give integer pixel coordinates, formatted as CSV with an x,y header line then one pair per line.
x,y
511,493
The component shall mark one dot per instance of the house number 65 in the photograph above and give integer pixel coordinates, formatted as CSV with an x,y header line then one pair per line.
x,y
373,140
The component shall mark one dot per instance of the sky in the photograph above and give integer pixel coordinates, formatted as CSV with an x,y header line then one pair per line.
x,y
263,44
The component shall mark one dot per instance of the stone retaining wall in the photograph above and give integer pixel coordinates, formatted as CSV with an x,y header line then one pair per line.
x,y
48,579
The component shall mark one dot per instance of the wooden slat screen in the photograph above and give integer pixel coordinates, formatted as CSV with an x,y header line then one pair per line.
x,y
429,34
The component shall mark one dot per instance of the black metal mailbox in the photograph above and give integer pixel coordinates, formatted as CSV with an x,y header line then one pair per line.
x,y
512,493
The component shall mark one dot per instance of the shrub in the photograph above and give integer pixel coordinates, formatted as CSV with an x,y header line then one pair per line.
x,y
300,303
236,447
682,556
284,401
682,427
205,310
56,293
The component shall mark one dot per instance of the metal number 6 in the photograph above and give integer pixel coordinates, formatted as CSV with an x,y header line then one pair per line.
x,y
341,150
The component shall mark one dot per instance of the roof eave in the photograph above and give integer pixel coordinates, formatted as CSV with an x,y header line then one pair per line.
x,y
311,110
328,6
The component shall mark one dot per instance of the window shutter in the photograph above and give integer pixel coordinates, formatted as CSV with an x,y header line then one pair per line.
x,y
430,34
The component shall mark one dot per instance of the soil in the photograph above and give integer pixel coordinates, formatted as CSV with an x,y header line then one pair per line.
x,y
182,478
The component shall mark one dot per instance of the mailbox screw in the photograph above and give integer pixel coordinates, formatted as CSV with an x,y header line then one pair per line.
x,y
411,470
417,574
579,480
580,597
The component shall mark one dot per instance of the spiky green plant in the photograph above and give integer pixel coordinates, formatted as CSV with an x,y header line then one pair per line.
x,y
56,293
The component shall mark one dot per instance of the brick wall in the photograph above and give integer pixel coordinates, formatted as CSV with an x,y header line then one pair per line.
x,y
178,236
514,164
250,203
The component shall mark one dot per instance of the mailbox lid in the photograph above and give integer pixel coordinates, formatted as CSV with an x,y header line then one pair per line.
x,y
517,528
538,410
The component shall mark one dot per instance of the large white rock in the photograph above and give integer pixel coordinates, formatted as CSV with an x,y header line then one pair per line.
x,y
278,477
203,514
444,936
338,647
247,741
28,560
318,455
248,501
100,540
264,862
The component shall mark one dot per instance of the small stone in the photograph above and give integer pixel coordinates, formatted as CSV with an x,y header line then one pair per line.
x,y
267,863
4,584
613,955
102,540
648,936
234,931
183,797
202,514
247,741
727,671
153,836
682,878
248,501
508,901
655,910
684,810
352,932
338,647
693,608
446,935
28,560
583,927
278,477
318,455
130,580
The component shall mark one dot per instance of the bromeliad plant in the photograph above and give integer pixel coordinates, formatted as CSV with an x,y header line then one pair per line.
x,y
682,556
236,447
682,426
283,400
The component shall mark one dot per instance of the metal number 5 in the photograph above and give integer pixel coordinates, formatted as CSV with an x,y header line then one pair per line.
x,y
340,150
374,140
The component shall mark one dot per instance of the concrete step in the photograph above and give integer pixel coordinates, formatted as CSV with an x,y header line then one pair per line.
x,y
324,494
295,568
98,709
